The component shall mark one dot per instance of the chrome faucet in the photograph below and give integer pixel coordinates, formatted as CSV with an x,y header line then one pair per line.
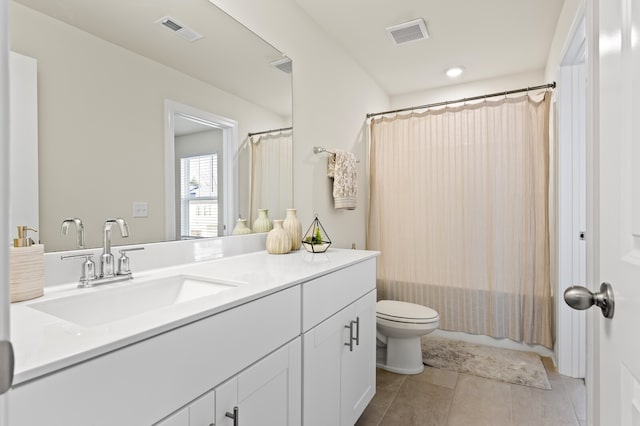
x,y
106,259
79,230
88,277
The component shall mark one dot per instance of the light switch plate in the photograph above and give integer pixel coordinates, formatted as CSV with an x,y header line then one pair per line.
x,y
140,209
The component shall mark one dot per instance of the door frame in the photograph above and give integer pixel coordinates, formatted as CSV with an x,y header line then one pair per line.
x,y
571,254
592,380
4,191
229,129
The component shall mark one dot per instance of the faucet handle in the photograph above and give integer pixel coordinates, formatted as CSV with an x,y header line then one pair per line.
x,y
123,260
88,267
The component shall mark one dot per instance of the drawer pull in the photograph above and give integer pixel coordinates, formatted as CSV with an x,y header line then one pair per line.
x,y
351,338
358,331
233,416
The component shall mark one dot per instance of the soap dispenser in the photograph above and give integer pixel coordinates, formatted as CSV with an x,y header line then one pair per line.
x,y
23,240
26,267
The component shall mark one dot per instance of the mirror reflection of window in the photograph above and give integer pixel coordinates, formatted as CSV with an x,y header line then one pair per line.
x,y
199,196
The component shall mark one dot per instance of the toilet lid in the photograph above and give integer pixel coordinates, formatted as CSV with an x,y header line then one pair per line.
x,y
394,310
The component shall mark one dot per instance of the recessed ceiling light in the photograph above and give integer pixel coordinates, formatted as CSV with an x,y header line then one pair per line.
x,y
454,72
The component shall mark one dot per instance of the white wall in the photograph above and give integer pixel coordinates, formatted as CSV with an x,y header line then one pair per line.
x,y
566,26
101,127
470,89
331,96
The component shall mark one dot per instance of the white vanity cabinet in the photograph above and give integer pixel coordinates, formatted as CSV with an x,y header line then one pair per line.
x,y
301,352
339,345
268,392
200,412
143,383
179,418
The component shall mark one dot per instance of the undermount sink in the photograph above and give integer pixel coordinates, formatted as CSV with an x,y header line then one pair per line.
x,y
113,304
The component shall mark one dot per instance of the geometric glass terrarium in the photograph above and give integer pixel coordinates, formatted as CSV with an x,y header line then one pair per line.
x,y
316,240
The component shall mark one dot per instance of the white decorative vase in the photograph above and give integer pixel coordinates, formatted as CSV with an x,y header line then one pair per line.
x,y
262,223
293,226
278,240
241,228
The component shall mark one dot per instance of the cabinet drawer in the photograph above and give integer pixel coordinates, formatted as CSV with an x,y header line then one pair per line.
x,y
328,294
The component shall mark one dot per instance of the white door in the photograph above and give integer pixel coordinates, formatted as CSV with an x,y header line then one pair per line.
x,y
358,381
267,393
613,378
322,348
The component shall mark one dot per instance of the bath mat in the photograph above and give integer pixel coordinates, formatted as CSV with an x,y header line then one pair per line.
x,y
505,365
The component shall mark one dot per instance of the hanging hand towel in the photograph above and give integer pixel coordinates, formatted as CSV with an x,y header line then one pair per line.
x,y
343,169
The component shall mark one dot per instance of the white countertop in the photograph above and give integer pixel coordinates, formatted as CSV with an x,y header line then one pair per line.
x,y
44,343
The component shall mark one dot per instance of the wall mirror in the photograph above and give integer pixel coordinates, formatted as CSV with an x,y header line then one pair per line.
x,y
107,71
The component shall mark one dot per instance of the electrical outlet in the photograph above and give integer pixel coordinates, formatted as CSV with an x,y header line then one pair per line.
x,y
140,209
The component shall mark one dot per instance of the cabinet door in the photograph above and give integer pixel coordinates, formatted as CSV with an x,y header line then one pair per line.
x,y
199,413
268,392
179,418
226,396
202,410
322,348
358,381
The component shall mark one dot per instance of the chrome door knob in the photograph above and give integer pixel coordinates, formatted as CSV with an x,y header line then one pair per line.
x,y
581,298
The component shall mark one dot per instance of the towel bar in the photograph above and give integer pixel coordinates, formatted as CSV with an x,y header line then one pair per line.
x,y
319,149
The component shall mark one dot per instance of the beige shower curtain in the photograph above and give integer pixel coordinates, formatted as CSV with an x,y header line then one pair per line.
x,y
459,209
271,174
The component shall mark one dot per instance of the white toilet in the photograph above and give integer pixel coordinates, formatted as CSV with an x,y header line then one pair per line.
x,y
400,325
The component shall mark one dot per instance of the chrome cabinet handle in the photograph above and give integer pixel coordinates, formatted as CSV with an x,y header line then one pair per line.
x,y
581,298
358,331
350,343
351,338
233,416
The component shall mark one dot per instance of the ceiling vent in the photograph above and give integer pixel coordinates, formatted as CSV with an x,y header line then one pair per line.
x,y
179,29
285,65
409,31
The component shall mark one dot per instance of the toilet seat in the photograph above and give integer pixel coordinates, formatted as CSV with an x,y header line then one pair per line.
x,y
404,312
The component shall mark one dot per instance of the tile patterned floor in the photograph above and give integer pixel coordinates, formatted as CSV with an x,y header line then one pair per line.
x,y
447,398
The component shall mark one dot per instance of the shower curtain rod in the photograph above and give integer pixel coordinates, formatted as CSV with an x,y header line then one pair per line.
x,y
271,131
475,98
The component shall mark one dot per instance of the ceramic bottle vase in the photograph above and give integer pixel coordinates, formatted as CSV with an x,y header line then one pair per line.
x,y
293,226
241,228
262,223
278,240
